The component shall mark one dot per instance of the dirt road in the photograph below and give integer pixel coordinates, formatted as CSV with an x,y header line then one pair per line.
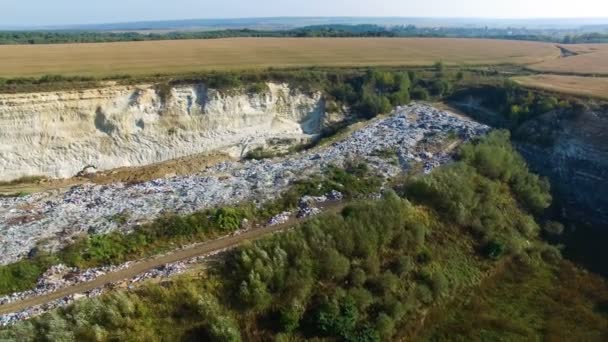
x,y
149,264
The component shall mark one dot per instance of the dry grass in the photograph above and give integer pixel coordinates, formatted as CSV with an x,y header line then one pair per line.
x,y
576,85
592,60
180,56
175,167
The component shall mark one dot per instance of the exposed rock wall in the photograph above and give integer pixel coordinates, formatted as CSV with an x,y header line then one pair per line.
x,y
572,150
57,134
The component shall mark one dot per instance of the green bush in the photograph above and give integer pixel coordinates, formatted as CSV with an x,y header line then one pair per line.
x,y
228,219
419,93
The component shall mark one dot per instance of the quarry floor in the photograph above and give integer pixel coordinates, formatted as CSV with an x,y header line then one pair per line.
x,y
418,134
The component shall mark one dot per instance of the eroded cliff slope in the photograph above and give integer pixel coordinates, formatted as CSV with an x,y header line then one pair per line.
x,y
57,134
571,148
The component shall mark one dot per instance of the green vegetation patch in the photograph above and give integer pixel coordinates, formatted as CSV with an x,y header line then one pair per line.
x,y
531,302
368,273
171,230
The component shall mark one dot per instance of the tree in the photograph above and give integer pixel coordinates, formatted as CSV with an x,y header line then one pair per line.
x,y
439,68
228,219
419,93
333,265
290,316
337,317
254,293
357,277
412,76
459,75
385,326
400,98
439,87
372,105
219,325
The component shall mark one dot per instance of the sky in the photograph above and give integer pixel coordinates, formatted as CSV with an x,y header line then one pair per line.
x,y
66,12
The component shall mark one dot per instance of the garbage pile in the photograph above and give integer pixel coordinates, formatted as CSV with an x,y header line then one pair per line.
x,y
307,206
13,318
56,218
161,272
280,218
61,276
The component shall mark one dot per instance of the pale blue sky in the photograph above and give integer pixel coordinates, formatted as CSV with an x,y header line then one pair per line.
x,y
61,12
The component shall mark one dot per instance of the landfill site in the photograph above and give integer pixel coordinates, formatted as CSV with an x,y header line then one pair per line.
x,y
52,219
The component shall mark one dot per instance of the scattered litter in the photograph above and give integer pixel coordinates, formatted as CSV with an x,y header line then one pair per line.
x,y
56,218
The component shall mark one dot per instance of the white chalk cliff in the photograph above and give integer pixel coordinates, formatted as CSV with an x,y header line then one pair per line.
x,y
57,134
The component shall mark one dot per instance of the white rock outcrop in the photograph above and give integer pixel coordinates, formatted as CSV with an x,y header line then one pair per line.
x,y
57,134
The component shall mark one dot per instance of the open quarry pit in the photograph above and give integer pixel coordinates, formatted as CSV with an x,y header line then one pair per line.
x,y
58,134
53,219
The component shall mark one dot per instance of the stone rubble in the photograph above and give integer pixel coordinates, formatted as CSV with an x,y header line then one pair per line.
x,y
56,218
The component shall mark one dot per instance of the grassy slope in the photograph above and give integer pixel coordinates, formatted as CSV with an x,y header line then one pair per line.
x,y
528,302
137,58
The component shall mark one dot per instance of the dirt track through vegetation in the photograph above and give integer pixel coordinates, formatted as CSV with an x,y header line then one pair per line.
x,y
146,265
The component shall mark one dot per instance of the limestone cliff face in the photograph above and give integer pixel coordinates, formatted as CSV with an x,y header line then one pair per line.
x,y
573,152
57,134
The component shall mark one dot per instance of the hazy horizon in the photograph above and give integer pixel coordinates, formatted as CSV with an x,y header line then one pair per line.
x,y
291,22
39,13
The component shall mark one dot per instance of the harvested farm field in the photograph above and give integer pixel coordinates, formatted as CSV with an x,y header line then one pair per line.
x,y
181,56
575,85
590,59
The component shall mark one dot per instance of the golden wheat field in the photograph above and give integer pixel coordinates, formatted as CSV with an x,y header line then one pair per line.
x,y
179,56
592,59
576,85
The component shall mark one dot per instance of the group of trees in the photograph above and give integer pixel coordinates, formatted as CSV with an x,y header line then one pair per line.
x,y
378,91
364,30
587,38
472,191
514,103
358,275
366,91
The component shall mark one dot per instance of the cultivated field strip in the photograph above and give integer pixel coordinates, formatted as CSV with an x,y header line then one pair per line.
x,y
596,87
180,56
592,59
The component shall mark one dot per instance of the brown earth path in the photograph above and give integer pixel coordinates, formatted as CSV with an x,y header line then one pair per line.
x,y
140,267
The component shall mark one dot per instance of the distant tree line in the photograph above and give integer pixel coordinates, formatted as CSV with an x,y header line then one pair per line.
x,y
588,38
57,37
